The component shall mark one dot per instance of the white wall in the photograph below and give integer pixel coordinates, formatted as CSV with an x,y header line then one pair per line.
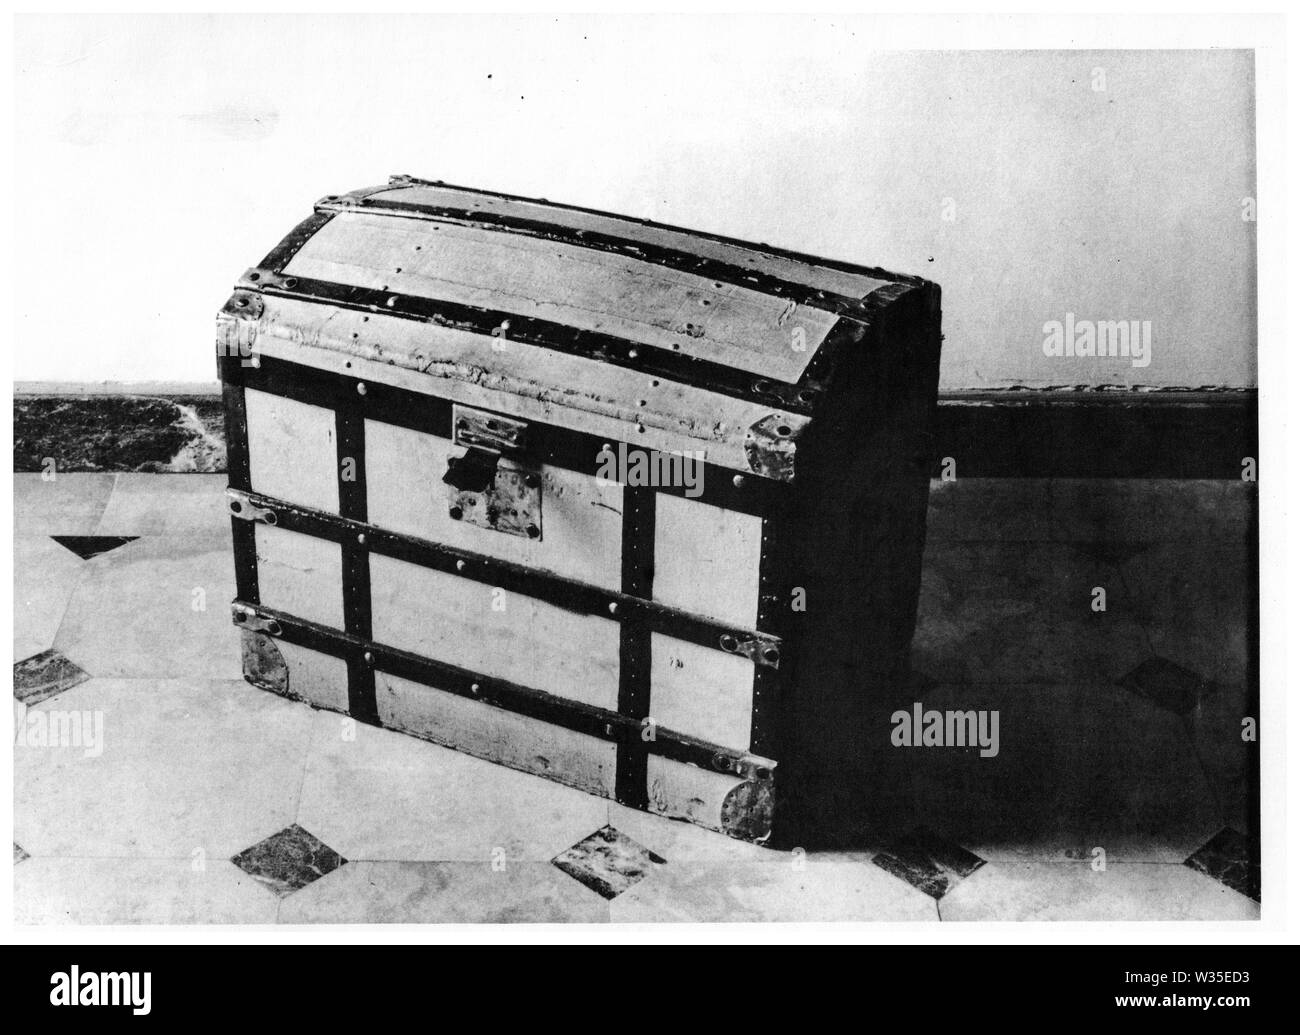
x,y
159,157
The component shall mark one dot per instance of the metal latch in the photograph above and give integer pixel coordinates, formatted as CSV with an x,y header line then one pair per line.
x,y
488,487
476,471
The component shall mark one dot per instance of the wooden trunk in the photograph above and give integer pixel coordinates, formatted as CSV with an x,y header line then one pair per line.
x,y
630,507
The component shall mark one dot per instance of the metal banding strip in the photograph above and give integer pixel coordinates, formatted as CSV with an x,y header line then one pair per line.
x,y
773,619
558,711
656,255
631,774
279,256
350,435
243,534
799,398
547,443
630,608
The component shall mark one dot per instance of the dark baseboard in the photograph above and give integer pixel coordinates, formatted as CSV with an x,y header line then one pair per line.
x,y
1097,434
995,434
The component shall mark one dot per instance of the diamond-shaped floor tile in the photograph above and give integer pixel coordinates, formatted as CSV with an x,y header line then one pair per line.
x,y
1167,684
1232,859
20,853
44,675
928,862
289,860
88,546
608,862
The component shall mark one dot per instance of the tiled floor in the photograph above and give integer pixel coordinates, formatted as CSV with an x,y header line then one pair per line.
x,y
152,785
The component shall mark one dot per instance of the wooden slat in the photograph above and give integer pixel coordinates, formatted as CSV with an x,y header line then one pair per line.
x,y
812,275
590,290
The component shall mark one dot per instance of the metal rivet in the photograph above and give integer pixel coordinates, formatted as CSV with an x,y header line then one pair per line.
x,y
460,565
613,607
632,353
771,655
361,538
728,642
368,658
236,506
256,362
738,481
455,513
474,688
361,388
533,531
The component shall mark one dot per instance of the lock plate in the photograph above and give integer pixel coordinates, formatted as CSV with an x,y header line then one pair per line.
x,y
488,430
512,504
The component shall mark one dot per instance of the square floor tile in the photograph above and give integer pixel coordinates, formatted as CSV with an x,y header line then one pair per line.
x,y
289,860
384,796
608,862
45,574
1077,768
433,893
1168,685
1005,612
1075,891
167,504
928,862
41,677
138,891
180,767
799,890
71,504
1232,859
1194,602
158,607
